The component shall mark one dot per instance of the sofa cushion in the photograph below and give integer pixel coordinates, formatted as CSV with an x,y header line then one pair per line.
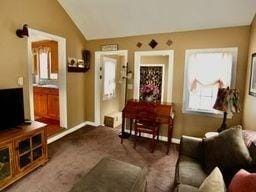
x,y
250,141
186,188
243,181
189,172
226,151
214,182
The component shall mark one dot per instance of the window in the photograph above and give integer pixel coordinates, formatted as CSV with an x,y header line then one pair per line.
x,y
206,71
44,62
109,76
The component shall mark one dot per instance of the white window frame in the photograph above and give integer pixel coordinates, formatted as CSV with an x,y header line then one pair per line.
x,y
233,51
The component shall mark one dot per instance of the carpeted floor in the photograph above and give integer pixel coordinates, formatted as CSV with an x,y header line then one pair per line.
x,y
74,155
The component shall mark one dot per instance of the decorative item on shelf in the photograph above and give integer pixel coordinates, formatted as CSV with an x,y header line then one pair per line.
x,y
79,65
153,43
21,33
169,42
252,88
227,101
112,47
86,57
72,62
139,44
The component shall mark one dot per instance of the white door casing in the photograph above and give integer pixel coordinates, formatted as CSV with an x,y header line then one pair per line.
x,y
137,65
62,74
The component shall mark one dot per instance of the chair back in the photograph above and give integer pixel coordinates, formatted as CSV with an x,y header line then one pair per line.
x,y
146,113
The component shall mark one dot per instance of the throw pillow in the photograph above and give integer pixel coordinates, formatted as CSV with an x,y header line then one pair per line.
x,y
252,150
226,151
214,182
250,141
243,181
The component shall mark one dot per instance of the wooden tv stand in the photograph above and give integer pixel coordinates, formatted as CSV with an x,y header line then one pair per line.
x,y
22,150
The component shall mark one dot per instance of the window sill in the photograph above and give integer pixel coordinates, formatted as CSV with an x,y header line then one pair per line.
x,y
206,114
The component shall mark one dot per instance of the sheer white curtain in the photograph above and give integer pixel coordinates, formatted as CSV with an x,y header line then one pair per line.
x,y
206,72
209,69
109,78
43,62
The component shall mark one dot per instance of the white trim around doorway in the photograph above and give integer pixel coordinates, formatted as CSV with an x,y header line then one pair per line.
x,y
137,64
97,81
62,75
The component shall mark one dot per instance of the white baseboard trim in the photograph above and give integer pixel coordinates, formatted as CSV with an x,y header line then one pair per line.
x,y
68,131
161,138
81,125
92,123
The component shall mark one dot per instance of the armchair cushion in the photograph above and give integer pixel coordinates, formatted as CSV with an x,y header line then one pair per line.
x,y
190,172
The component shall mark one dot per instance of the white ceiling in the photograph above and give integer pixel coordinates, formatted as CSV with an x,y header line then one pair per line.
x,y
98,19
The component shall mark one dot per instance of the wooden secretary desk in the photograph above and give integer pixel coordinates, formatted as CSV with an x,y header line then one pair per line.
x,y
164,112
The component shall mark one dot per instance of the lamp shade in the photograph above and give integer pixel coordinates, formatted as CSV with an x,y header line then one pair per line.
x,y
227,100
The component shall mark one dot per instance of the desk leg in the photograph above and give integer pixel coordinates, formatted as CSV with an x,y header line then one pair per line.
x,y
131,122
170,130
123,135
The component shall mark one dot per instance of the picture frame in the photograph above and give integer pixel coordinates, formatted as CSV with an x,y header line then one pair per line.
x,y
111,47
252,87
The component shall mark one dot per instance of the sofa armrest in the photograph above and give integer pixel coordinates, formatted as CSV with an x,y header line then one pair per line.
x,y
191,147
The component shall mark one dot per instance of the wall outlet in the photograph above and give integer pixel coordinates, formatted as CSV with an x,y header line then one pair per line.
x,y
20,81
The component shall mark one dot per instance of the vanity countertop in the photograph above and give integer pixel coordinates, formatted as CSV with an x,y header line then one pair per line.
x,y
46,86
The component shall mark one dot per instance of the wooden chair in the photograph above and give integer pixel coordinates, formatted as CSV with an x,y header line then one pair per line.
x,y
145,122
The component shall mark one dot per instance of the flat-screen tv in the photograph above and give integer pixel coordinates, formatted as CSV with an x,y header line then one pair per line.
x,y
11,108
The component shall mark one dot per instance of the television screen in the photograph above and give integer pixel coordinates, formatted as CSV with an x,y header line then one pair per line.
x,y
11,108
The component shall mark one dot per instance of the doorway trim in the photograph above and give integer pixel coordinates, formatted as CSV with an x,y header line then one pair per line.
x,y
137,65
62,74
97,81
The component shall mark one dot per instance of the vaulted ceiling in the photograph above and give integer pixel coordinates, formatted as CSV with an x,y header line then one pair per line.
x,y
98,19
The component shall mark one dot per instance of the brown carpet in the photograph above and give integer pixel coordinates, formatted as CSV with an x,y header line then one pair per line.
x,y
73,156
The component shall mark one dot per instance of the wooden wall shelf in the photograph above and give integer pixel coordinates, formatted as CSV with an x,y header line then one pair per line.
x,y
77,69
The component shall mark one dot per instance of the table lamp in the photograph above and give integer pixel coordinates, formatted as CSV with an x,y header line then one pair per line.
x,y
228,102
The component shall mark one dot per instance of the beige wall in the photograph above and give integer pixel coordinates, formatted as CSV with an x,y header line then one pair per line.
x,y
250,101
225,37
154,60
47,16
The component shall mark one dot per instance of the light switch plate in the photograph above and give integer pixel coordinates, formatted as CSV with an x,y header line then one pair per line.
x,y
20,81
